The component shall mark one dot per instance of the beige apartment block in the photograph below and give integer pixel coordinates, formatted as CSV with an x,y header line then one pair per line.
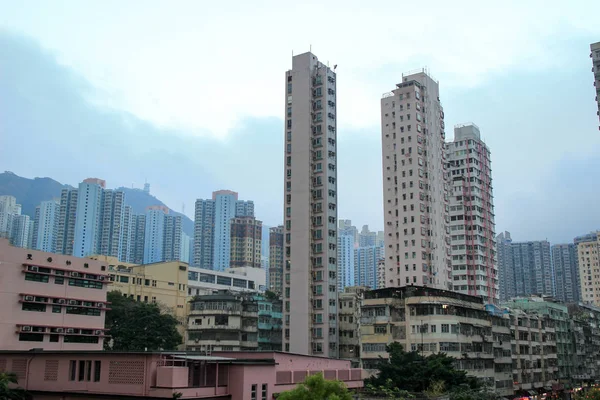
x,y
246,240
589,270
472,227
349,316
415,185
310,209
428,320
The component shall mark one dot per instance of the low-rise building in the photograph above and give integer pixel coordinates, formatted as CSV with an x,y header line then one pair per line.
x,y
53,375
429,321
50,301
501,343
269,323
241,279
224,321
163,283
535,365
349,322
585,328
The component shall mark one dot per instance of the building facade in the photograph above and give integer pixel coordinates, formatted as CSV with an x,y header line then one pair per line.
x,y
246,242
349,316
128,235
8,208
207,281
87,220
366,261
276,259
345,227
270,323
112,223
66,221
524,268
415,185
55,375
472,227
223,321
212,228
566,272
154,234
345,259
138,239
46,226
50,301
310,208
595,56
21,231
588,262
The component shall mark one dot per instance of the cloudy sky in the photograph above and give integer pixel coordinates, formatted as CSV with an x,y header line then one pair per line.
x,y
189,95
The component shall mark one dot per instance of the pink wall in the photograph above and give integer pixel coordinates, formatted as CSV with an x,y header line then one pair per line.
x,y
13,288
289,361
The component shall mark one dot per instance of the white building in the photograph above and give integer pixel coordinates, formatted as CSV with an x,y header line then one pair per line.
x,y
46,226
415,185
8,208
244,279
310,209
20,235
345,255
472,227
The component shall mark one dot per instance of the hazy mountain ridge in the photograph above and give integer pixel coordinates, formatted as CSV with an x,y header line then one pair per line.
x,y
31,192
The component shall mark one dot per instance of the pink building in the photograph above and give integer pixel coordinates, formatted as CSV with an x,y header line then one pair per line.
x,y
50,301
66,375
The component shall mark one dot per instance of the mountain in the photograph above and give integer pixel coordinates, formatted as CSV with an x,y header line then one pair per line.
x,y
31,192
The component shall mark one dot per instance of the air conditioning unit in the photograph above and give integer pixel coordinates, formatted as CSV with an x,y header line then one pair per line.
x,y
98,332
73,302
70,330
61,301
59,330
29,298
34,268
100,305
26,328
75,274
102,277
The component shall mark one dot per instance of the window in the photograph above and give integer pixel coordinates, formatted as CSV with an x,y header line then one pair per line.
x,y
81,375
253,392
264,391
31,337
80,339
72,370
97,370
33,307
445,328
36,277
380,328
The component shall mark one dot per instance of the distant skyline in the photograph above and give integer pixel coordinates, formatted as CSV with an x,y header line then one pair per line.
x,y
189,98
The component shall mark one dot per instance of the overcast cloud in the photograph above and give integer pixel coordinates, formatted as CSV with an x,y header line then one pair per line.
x,y
189,96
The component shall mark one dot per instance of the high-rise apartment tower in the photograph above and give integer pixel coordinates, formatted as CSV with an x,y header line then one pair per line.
x,y
415,185
472,228
310,208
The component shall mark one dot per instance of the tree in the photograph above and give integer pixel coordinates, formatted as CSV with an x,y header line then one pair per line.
x,y
591,394
7,393
138,326
315,387
413,372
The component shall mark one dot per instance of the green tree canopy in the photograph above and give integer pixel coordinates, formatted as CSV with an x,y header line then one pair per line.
x,y
14,393
413,372
138,326
315,387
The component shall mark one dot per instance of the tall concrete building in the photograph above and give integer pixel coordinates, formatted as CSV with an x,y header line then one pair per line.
x,y
246,242
366,237
154,234
524,268
276,259
112,223
138,239
127,237
66,221
415,185
472,227
588,260
212,223
45,232
310,208
204,233
345,227
173,238
20,231
595,56
87,221
566,274
8,208
366,260
345,259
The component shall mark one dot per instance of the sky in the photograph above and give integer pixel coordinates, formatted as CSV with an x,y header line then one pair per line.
x,y
189,95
